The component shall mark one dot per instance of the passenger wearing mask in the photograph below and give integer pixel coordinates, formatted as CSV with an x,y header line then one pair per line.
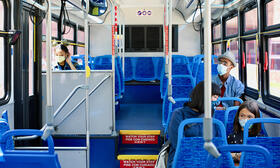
x,y
229,85
246,111
63,58
192,109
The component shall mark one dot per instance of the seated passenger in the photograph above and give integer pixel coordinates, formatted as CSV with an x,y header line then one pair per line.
x,y
192,109
246,111
63,58
230,86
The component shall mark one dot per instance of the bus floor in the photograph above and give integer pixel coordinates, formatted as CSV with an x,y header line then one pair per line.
x,y
140,108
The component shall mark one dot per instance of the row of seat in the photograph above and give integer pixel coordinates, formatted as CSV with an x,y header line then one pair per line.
x,y
225,116
260,151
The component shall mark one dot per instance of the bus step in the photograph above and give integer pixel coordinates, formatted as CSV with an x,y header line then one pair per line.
x,y
134,161
140,136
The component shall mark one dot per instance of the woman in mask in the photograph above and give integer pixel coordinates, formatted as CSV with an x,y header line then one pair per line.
x,y
246,111
63,58
192,109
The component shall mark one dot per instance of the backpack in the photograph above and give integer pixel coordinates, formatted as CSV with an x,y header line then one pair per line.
x,y
163,156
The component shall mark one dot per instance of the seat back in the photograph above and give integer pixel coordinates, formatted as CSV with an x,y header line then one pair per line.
x,y
28,158
144,69
105,63
129,69
270,143
186,80
225,160
159,64
4,127
171,107
5,116
190,152
180,91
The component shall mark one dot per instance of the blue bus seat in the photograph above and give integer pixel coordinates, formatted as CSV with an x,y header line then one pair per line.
x,y
253,150
4,127
119,67
159,64
28,158
5,116
144,69
129,69
270,143
80,60
186,80
190,152
105,63
181,91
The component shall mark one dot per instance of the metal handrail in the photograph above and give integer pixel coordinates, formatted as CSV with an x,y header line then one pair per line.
x,y
91,92
62,105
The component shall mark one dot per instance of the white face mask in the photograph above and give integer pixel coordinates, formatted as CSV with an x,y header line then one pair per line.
x,y
222,69
60,58
242,123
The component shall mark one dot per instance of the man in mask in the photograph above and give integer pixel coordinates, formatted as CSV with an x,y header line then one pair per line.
x,y
230,86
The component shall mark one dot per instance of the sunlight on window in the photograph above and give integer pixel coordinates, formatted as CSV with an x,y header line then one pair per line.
x,y
234,49
274,66
251,66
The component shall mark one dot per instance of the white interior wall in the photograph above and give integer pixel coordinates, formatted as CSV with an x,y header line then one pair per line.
x,y
188,39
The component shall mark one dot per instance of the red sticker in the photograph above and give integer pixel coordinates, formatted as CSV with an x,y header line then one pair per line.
x,y
137,163
139,139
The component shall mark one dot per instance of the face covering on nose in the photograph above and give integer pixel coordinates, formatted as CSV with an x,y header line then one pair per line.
x,y
242,123
222,69
60,58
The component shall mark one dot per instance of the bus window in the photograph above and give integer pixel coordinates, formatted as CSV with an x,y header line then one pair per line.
x,y
274,66
54,36
272,13
81,36
217,32
81,40
54,28
31,59
234,49
217,49
2,88
251,66
250,21
69,33
232,26
81,50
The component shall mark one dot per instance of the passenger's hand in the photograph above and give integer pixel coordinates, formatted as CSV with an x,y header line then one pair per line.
x,y
68,59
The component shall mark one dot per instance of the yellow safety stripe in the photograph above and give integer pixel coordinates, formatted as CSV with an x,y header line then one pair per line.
x,y
137,157
140,132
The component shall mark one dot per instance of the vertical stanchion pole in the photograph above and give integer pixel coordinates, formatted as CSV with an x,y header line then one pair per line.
x,y
170,49
49,110
207,122
87,75
123,48
114,33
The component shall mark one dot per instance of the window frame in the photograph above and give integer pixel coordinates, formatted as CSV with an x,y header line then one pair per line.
x,y
249,90
221,32
266,28
7,54
128,43
268,99
248,7
229,16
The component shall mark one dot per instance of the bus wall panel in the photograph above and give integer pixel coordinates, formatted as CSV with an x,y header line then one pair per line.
x,y
100,102
101,43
